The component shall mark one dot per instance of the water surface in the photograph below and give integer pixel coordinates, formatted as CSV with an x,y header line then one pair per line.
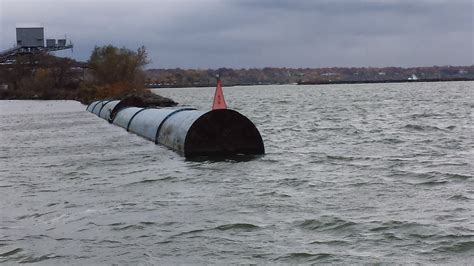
x,y
353,174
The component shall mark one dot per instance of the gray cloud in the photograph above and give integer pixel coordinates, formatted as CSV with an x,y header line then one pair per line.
x,y
258,33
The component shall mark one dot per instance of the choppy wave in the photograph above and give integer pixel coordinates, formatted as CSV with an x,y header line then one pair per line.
x,y
326,223
237,226
304,257
421,127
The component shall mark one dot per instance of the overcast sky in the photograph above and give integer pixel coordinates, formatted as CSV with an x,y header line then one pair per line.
x,y
258,33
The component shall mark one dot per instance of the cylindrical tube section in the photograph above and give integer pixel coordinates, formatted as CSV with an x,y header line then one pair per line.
x,y
99,106
96,107
91,106
186,130
148,122
124,116
174,130
107,109
131,101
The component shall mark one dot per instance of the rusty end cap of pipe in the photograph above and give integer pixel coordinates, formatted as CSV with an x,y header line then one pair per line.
x,y
223,132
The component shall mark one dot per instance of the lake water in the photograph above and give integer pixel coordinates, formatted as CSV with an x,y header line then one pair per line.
x,y
352,174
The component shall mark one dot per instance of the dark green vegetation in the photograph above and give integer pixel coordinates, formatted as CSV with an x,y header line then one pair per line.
x,y
110,73
196,78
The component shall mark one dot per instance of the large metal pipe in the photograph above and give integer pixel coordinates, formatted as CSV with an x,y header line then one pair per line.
x,y
186,130
107,109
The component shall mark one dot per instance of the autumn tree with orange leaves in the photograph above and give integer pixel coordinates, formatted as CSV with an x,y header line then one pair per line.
x,y
116,72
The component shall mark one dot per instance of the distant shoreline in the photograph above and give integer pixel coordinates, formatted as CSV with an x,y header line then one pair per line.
x,y
326,82
186,78
319,82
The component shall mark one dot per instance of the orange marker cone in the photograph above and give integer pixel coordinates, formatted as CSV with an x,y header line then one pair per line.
x,y
219,101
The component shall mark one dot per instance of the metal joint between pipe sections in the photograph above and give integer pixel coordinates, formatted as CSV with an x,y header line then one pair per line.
x,y
166,118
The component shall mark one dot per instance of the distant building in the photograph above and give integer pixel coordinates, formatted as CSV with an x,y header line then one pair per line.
x,y
413,77
30,37
31,41
50,43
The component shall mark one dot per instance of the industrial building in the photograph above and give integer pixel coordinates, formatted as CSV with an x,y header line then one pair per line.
x,y
31,40
30,37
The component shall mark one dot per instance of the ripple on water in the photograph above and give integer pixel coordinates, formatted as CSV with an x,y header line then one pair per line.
x,y
19,255
421,128
304,257
11,252
245,227
326,223
466,247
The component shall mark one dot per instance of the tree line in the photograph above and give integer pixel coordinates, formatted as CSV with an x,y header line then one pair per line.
x,y
253,76
110,73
